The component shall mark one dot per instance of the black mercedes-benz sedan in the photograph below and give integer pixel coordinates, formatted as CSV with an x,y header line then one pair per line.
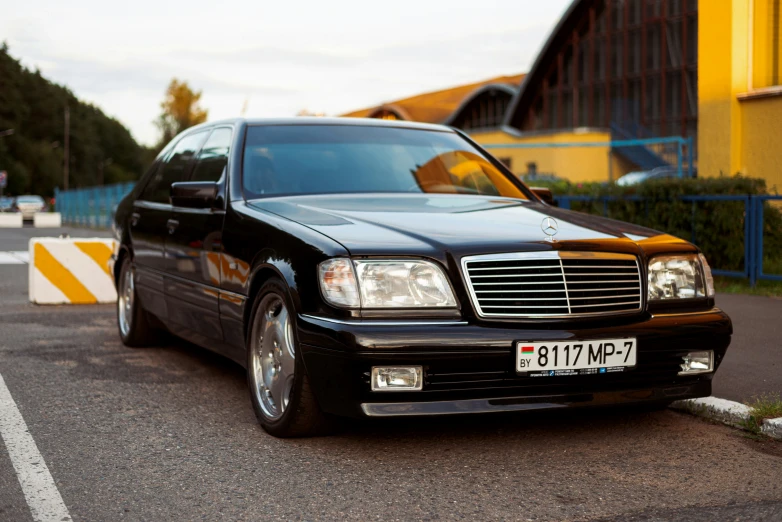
x,y
373,268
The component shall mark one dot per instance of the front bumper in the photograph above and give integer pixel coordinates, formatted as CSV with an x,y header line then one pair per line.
x,y
469,367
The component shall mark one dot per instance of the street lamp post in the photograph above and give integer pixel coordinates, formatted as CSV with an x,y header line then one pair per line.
x,y
102,165
66,151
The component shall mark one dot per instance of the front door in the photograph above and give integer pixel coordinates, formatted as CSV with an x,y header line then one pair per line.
x,y
151,221
195,246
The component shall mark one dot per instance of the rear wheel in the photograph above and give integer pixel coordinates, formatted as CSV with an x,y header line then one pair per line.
x,y
279,388
134,324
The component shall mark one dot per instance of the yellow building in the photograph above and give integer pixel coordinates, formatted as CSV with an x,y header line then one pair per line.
x,y
740,89
610,70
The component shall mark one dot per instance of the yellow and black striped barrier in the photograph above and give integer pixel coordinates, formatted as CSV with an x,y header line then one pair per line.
x,y
71,271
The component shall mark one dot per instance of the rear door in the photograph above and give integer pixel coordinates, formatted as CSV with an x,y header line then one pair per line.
x,y
151,218
195,246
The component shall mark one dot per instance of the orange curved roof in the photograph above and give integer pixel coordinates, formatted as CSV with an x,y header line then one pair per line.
x,y
436,106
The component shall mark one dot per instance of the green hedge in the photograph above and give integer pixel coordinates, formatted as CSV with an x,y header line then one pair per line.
x,y
717,227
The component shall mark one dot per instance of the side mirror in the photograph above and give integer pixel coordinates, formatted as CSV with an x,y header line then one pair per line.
x,y
193,194
544,194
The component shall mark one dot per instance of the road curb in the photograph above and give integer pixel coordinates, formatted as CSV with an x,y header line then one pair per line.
x,y
728,412
772,428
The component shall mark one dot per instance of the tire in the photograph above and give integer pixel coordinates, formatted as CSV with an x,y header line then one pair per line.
x,y
282,398
133,322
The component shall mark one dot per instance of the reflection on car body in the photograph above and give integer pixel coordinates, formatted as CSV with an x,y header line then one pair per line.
x,y
372,268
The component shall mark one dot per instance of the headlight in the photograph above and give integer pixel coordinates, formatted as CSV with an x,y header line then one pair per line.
x,y
680,277
385,284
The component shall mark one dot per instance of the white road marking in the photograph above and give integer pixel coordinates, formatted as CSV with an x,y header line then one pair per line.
x,y
22,255
13,258
37,483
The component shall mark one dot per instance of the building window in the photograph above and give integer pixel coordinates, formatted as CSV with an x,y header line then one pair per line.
x,y
766,43
508,162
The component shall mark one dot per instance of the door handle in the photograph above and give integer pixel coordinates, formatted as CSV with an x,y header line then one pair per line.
x,y
172,224
134,217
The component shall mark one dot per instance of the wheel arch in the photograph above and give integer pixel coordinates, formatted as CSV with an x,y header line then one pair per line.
x,y
122,253
264,270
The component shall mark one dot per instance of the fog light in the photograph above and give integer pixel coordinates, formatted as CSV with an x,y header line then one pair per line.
x,y
397,378
697,362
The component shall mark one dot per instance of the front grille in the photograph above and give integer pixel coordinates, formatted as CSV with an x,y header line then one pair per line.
x,y
553,284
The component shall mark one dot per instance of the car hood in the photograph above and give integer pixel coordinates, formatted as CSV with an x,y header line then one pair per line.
x,y
432,223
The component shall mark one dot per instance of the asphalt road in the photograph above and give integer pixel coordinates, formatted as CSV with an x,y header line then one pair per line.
x,y
168,433
15,239
753,364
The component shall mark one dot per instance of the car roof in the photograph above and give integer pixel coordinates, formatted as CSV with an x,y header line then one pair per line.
x,y
305,120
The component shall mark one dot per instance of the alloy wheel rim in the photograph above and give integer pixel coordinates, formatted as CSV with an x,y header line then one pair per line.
x,y
125,301
273,356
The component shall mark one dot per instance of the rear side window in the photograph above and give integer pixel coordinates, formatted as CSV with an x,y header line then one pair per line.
x,y
213,156
174,168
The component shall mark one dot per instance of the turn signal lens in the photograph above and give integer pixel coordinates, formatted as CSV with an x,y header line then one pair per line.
x,y
707,276
397,378
338,283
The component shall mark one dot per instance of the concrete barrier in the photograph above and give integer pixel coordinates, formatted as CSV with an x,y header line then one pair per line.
x,y
47,220
71,271
10,220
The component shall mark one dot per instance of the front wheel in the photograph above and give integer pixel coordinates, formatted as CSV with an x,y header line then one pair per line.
x,y
279,388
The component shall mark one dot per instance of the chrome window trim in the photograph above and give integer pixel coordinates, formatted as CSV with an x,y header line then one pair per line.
x,y
551,255
353,322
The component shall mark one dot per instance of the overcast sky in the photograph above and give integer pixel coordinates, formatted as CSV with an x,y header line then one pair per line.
x,y
280,57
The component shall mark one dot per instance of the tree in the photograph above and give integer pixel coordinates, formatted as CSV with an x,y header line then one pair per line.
x,y
33,155
181,110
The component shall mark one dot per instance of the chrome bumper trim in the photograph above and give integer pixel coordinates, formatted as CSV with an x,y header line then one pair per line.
x,y
353,322
685,314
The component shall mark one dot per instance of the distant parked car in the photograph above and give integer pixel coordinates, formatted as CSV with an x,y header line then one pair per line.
x,y
634,178
29,205
6,204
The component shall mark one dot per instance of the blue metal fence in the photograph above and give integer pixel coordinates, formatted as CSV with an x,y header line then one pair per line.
x,y
94,207
753,227
91,207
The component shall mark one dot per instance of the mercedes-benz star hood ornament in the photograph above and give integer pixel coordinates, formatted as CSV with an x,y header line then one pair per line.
x,y
549,227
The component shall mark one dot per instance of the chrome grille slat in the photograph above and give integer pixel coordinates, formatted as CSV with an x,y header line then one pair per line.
x,y
522,283
597,274
553,284
589,282
518,291
606,304
605,297
558,273
529,299
537,307
514,267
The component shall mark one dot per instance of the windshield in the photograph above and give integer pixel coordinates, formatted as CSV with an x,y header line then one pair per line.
x,y
329,159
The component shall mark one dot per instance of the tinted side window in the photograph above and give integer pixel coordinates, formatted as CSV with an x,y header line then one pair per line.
x,y
173,169
213,156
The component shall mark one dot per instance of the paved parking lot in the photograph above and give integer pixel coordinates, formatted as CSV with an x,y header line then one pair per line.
x,y
168,433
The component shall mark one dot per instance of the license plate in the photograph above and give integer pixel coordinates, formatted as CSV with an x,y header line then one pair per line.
x,y
555,358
